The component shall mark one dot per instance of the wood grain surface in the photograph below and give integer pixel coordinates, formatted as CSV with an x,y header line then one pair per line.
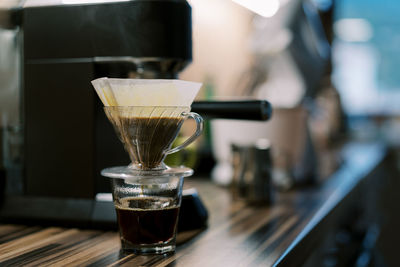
x,y
237,235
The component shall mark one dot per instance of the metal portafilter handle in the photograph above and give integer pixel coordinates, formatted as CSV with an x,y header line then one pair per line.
x,y
258,110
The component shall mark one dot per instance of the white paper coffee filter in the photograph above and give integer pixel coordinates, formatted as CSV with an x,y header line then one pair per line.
x,y
145,92
104,91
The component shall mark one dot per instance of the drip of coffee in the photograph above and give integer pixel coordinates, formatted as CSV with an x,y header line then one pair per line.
x,y
143,220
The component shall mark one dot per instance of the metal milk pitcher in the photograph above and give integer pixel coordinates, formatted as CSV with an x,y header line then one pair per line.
x,y
252,173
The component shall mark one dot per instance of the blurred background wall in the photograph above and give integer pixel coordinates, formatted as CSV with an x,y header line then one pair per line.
x,y
221,32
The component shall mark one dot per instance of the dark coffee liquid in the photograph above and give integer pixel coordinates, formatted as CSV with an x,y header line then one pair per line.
x,y
146,139
140,224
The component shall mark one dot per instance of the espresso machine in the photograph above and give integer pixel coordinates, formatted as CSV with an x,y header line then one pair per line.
x,y
55,137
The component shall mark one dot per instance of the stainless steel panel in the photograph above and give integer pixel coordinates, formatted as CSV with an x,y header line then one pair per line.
x,y
11,137
10,76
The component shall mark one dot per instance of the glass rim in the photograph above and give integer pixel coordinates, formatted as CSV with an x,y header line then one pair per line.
x,y
124,172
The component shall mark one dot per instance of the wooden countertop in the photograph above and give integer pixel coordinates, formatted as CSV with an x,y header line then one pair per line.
x,y
237,235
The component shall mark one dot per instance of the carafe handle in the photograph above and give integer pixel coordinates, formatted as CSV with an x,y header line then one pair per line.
x,y
199,129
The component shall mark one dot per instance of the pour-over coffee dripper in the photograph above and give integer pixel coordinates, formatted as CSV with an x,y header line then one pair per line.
x,y
147,116
148,132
